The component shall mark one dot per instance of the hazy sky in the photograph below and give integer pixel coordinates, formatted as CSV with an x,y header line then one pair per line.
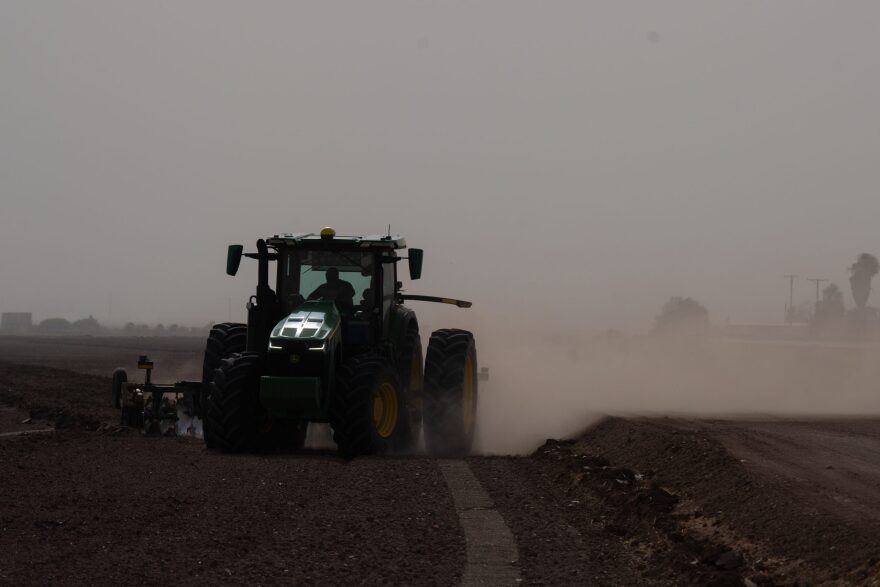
x,y
568,163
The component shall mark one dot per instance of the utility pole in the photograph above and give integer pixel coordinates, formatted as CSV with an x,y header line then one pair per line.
x,y
789,314
817,281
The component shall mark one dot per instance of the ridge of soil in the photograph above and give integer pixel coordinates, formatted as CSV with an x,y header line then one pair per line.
x,y
670,502
580,520
776,528
64,398
176,357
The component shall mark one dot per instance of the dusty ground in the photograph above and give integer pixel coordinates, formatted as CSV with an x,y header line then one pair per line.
x,y
794,501
96,503
631,502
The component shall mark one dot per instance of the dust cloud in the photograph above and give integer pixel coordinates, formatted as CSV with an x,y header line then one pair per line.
x,y
550,387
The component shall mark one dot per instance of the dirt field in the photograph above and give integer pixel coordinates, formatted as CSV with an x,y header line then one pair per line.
x,y
657,501
176,357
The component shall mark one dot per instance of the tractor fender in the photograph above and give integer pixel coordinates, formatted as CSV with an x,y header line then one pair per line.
x,y
402,319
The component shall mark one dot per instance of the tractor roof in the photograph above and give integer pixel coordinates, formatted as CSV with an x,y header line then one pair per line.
x,y
331,240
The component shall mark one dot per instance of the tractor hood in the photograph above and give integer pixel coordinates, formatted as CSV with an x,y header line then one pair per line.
x,y
314,321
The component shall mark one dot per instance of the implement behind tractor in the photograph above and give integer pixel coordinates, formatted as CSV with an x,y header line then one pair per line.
x,y
334,343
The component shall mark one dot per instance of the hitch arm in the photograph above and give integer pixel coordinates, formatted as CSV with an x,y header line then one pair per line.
x,y
459,303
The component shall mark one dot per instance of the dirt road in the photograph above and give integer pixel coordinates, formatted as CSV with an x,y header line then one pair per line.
x,y
834,465
657,501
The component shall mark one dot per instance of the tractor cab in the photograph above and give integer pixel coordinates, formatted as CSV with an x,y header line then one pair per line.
x,y
357,274
352,280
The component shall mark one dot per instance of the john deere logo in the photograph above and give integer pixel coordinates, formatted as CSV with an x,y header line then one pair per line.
x,y
294,359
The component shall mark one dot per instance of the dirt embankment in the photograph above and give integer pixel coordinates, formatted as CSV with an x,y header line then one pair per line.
x,y
61,398
781,497
678,502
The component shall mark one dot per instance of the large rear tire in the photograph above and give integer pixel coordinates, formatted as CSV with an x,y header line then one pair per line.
x,y
232,405
411,372
451,391
368,407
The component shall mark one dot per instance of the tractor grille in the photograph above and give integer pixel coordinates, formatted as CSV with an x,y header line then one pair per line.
x,y
296,360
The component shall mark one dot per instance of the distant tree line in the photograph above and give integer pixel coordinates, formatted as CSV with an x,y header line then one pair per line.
x,y
133,329
682,315
90,326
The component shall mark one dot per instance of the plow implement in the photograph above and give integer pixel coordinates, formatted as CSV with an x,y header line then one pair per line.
x,y
157,409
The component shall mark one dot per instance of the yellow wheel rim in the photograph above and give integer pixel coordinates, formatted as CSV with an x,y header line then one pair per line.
x,y
385,410
469,396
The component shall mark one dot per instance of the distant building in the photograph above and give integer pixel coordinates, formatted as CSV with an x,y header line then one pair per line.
x,y
16,322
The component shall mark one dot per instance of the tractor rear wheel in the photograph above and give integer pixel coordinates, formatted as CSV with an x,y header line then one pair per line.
x,y
369,407
450,392
232,405
411,371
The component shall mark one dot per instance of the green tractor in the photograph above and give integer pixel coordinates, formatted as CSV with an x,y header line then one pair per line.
x,y
334,343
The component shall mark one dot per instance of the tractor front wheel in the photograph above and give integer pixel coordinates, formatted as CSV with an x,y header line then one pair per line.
x,y
368,408
232,406
223,340
450,402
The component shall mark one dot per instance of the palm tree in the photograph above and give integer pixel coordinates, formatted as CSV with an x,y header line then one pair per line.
x,y
863,271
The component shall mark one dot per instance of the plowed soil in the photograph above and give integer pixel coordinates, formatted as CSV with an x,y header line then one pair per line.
x,y
97,503
631,502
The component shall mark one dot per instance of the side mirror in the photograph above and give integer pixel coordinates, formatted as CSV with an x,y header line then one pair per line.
x,y
233,259
415,263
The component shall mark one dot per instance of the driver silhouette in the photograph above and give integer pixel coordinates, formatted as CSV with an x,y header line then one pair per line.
x,y
338,290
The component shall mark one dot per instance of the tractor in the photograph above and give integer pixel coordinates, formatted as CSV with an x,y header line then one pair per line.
x,y
333,343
